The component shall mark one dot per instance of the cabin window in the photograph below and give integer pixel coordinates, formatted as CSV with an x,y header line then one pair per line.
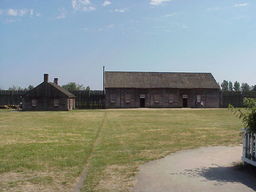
x,y
156,98
112,98
127,98
56,102
198,99
34,102
171,98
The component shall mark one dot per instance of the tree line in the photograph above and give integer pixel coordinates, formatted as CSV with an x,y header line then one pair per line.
x,y
236,86
71,86
225,86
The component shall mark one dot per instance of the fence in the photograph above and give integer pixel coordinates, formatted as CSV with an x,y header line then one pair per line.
x,y
84,99
96,99
235,98
89,99
249,148
11,97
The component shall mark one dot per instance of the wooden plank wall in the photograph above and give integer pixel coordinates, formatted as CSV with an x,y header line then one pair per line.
x,y
11,97
84,99
96,99
235,98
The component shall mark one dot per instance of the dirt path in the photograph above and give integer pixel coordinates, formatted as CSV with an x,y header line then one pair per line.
x,y
208,169
81,180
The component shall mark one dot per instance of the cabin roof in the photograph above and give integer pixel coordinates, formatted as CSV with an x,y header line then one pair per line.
x,y
120,79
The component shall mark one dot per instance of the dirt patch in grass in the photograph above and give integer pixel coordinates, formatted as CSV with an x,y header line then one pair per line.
x,y
116,178
35,182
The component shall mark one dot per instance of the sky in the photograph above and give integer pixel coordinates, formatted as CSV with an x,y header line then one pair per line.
x,y
74,39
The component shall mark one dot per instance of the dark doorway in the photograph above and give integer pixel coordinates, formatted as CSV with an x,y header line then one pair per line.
x,y
142,102
185,102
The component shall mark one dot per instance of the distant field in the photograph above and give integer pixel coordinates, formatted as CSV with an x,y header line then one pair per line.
x,y
47,151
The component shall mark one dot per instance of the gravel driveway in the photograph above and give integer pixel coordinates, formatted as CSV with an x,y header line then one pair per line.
x,y
208,169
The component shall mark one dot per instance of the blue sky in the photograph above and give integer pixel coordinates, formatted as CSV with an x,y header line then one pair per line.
x,y
73,39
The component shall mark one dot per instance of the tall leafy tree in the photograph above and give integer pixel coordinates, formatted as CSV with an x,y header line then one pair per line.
x,y
30,87
224,85
254,88
230,86
15,88
245,87
87,89
237,86
72,86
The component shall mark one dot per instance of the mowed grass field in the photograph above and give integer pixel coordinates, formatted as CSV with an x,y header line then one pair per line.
x,y
47,151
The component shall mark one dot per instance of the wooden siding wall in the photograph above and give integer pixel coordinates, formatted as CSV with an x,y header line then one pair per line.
x,y
160,98
46,104
96,99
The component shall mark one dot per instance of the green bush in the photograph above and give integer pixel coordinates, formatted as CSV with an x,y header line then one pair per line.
x,y
247,114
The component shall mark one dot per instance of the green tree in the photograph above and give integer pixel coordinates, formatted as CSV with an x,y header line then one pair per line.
x,y
87,89
224,85
30,87
245,87
237,86
230,86
72,86
254,88
15,88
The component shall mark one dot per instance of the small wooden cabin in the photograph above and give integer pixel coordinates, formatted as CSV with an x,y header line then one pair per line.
x,y
160,90
48,96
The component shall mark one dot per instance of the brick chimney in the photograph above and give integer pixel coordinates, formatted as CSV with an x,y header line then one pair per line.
x,y
46,77
56,81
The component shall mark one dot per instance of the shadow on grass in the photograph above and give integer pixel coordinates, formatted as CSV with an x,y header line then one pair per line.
x,y
245,174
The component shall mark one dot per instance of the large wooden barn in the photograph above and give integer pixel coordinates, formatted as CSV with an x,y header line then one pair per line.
x,y
160,90
48,96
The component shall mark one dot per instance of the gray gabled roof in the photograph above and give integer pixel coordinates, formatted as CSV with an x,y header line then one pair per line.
x,y
116,79
46,89
61,89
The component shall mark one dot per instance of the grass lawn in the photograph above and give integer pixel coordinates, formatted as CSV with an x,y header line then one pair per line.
x,y
47,151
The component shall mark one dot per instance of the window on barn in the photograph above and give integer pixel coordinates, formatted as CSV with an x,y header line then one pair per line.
x,y
171,98
156,98
198,99
112,98
34,102
56,102
127,98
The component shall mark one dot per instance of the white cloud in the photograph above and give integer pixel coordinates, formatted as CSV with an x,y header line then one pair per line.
x,y
85,29
83,5
170,15
19,12
1,11
106,27
240,5
62,14
106,3
157,2
214,9
120,10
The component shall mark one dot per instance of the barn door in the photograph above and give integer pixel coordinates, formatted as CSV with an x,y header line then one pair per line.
x,y
184,100
142,100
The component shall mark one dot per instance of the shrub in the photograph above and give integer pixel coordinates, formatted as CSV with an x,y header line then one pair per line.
x,y
247,114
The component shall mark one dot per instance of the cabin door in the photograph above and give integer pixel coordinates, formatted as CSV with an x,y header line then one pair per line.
x,y
184,100
142,100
